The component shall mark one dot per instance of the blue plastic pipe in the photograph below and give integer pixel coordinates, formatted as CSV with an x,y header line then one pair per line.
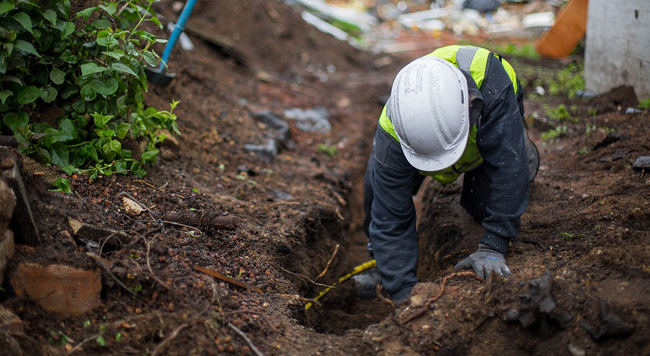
x,y
178,29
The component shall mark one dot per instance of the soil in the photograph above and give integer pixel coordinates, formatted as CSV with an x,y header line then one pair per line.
x,y
581,264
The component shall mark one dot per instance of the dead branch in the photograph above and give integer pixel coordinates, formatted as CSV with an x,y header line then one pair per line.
x,y
94,337
336,249
439,295
153,275
216,274
108,272
263,315
307,278
248,341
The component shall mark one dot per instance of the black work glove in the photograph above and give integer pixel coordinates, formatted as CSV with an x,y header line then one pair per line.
x,y
484,261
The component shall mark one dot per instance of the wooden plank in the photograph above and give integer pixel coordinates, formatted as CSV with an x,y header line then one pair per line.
x,y
568,30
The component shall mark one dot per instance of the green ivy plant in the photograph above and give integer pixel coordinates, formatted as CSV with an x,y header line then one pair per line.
x,y
90,67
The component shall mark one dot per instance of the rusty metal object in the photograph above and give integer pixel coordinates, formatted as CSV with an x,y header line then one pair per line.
x,y
209,220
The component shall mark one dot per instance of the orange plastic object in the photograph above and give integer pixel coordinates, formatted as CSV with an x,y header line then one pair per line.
x,y
569,29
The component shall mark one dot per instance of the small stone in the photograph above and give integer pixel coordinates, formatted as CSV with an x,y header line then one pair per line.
x,y
7,205
6,251
10,322
642,162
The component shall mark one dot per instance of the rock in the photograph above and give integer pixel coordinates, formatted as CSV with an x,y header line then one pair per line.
x,y
23,212
62,289
310,120
97,234
576,351
10,322
265,152
642,162
7,205
6,251
9,345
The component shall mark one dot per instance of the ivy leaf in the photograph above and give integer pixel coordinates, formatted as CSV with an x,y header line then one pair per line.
x,y
68,57
50,15
112,85
52,136
28,95
98,86
89,151
69,29
4,95
57,76
48,94
68,128
69,170
6,6
91,68
59,154
62,185
110,8
149,155
43,155
117,54
122,130
26,47
9,47
123,68
88,93
85,13
150,58
24,21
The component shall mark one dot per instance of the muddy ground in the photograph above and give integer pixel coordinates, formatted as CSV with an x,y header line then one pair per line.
x,y
581,263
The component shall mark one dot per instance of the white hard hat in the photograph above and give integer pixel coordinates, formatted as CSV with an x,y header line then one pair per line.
x,y
429,108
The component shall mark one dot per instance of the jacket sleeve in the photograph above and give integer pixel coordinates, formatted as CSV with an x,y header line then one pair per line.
x,y
500,139
393,217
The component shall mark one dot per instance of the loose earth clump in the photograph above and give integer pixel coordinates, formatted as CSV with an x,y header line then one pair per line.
x,y
581,263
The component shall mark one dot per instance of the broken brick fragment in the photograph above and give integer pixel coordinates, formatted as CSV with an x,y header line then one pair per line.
x,y
62,289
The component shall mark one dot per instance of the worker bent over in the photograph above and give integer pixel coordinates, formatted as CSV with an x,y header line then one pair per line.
x,y
456,110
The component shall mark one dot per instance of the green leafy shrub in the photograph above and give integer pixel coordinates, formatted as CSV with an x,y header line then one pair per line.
x,y
568,82
644,104
88,65
551,136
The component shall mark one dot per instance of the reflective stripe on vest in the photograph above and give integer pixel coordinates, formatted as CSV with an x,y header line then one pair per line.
x,y
473,60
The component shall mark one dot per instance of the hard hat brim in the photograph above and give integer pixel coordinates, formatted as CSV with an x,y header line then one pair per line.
x,y
442,161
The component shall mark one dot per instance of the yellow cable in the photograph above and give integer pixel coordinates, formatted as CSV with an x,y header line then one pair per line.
x,y
358,269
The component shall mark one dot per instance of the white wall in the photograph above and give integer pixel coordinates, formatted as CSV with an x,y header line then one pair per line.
x,y
618,46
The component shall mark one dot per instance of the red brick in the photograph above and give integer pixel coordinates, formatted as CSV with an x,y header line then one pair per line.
x,y
62,289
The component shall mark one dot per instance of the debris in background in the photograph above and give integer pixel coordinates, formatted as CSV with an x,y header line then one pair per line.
x,y
324,26
310,120
360,19
201,220
279,127
569,29
538,308
632,111
641,163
